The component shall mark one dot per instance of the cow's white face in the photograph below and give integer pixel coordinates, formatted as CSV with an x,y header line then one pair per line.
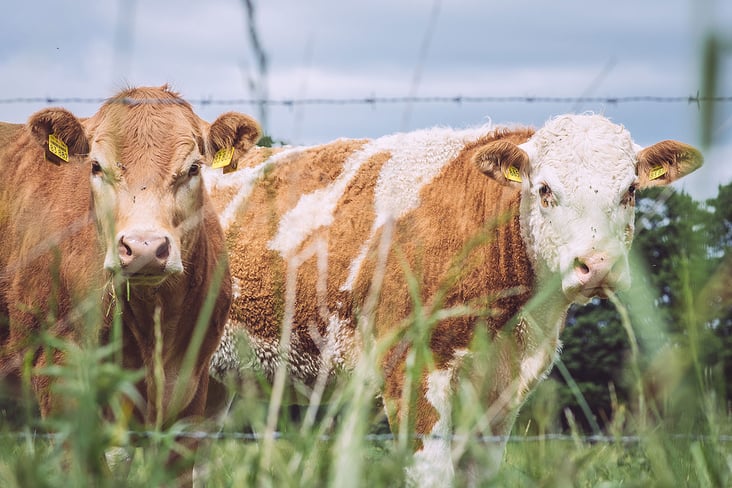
x,y
578,204
578,177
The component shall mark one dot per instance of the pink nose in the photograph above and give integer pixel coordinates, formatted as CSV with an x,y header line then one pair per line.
x,y
144,253
593,271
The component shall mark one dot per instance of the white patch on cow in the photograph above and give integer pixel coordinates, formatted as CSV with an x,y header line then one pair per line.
x,y
533,368
244,179
432,465
315,210
339,350
588,163
235,287
416,159
541,344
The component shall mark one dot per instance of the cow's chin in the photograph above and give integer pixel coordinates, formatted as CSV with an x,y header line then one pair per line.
x,y
588,294
583,295
144,279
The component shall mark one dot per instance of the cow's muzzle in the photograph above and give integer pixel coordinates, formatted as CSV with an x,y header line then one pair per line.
x,y
145,256
596,275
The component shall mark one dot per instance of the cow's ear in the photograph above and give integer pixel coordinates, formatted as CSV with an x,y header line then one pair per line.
x,y
60,133
666,161
233,130
503,161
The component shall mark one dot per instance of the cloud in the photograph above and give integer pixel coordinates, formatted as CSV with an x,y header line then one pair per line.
x,y
336,49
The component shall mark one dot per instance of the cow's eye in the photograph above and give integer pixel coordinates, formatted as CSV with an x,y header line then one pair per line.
x,y
545,195
194,169
96,168
629,198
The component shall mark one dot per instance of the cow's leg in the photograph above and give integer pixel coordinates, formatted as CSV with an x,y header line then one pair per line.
x,y
432,465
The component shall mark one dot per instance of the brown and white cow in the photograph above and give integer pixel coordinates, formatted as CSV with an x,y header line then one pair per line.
x,y
513,223
124,204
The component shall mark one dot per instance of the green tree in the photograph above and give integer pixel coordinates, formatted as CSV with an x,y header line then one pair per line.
x,y
595,348
714,301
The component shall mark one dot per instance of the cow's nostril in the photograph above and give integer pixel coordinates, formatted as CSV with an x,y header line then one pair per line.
x,y
581,267
163,250
124,248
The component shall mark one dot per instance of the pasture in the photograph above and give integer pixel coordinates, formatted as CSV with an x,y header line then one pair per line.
x,y
641,395
668,423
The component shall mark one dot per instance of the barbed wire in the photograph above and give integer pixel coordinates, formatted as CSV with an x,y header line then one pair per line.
x,y
374,438
458,99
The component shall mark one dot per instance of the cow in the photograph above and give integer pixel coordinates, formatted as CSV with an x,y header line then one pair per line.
x,y
503,227
108,217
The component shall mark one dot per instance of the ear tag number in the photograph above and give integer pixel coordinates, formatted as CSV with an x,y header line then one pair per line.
x,y
58,148
656,172
513,174
223,158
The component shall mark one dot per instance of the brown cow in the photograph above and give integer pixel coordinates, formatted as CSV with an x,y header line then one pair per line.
x,y
503,227
123,215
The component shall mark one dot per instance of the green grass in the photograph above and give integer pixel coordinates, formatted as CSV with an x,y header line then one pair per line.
x,y
672,429
677,440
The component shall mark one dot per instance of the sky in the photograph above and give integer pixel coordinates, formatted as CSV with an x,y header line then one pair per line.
x,y
344,50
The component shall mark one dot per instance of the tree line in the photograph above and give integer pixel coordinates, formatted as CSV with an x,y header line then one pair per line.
x,y
682,370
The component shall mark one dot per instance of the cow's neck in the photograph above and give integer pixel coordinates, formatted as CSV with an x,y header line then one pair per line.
x,y
545,314
157,325
144,305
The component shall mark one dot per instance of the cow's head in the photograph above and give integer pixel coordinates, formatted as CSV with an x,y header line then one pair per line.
x,y
144,149
578,176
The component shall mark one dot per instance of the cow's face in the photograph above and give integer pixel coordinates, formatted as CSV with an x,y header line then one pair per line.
x,y
578,177
145,152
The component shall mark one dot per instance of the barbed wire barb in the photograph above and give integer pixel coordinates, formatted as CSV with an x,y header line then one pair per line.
x,y
373,100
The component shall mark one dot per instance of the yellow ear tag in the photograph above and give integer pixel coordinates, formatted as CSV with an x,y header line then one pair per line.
x,y
223,158
57,147
656,172
513,174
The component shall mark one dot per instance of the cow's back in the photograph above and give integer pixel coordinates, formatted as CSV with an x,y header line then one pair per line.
x,y
9,133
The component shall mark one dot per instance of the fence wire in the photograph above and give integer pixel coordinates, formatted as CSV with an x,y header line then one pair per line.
x,y
458,99
250,437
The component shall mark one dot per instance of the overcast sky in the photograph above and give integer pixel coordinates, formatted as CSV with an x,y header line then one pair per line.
x,y
339,49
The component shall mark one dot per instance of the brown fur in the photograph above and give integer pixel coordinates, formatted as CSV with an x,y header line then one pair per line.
x,y
495,277
463,242
262,271
51,256
677,158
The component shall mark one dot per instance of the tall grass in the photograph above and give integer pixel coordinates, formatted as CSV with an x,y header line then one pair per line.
x,y
672,432
674,429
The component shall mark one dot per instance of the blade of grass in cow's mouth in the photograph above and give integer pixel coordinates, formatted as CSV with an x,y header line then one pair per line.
x,y
144,279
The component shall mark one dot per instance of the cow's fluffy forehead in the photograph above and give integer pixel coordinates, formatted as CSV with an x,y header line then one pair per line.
x,y
148,125
583,146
